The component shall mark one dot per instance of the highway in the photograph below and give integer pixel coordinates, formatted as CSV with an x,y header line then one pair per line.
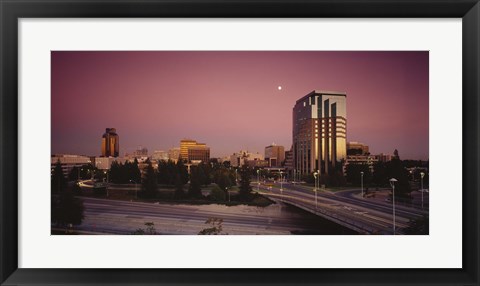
x,y
365,215
104,216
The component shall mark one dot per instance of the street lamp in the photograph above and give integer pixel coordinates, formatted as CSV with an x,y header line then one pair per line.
x,y
392,183
422,174
258,180
294,175
361,173
281,181
106,172
315,189
236,176
132,181
226,189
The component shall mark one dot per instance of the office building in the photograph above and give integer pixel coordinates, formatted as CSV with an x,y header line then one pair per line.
x,y
191,150
198,153
319,131
67,162
110,143
160,155
275,155
356,148
241,158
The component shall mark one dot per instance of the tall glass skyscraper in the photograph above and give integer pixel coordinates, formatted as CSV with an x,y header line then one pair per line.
x,y
319,132
110,143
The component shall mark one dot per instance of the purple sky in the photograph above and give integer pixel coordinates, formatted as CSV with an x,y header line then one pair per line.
x,y
231,101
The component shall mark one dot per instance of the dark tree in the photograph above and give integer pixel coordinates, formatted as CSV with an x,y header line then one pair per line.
x,y
245,187
354,174
222,179
194,189
149,183
182,171
179,192
74,174
58,182
66,209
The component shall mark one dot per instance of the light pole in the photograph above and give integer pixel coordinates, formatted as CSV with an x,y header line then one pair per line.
x,y
226,189
132,181
294,175
258,180
315,189
422,174
281,181
236,176
392,183
361,173
106,172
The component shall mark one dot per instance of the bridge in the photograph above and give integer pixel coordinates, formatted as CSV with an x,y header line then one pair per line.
x,y
347,208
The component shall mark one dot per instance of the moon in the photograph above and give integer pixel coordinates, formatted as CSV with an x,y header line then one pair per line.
x,y
279,87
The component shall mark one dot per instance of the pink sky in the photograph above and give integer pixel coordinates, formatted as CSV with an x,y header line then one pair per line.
x,y
231,101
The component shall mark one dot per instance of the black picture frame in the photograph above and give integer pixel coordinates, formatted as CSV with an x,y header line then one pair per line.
x,y
11,11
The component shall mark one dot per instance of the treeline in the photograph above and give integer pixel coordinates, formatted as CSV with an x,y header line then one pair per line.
x,y
66,210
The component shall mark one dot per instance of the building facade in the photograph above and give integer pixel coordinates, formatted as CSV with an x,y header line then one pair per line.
x,y
356,148
241,158
319,132
110,143
195,149
275,155
67,162
198,153
174,154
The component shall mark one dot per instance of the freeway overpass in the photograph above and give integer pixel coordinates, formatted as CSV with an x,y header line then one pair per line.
x,y
367,216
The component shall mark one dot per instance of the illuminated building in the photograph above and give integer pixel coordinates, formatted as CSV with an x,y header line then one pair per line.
x,y
275,155
319,131
110,143
192,150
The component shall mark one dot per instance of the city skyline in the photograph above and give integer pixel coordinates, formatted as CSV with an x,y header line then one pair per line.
x,y
234,100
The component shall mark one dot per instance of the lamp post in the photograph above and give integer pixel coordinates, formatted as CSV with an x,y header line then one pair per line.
x,y
106,172
281,181
258,180
294,174
315,189
422,174
392,183
236,176
226,189
132,181
361,173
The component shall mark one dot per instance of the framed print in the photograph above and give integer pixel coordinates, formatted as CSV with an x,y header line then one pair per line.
x,y
324,142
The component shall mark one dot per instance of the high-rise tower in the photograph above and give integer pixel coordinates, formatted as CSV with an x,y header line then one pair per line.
x,y
319,131
110,143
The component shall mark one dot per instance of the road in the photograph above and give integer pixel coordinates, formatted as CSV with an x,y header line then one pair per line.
x,y
104,216
365,215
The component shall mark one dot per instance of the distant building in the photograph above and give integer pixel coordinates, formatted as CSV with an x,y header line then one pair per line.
x,y
140,152
319,131
104,163
241,158
356,148
384,157
192,150
288,160
198,153
160,155
110,143
275,155
68,162
174,154
369,160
